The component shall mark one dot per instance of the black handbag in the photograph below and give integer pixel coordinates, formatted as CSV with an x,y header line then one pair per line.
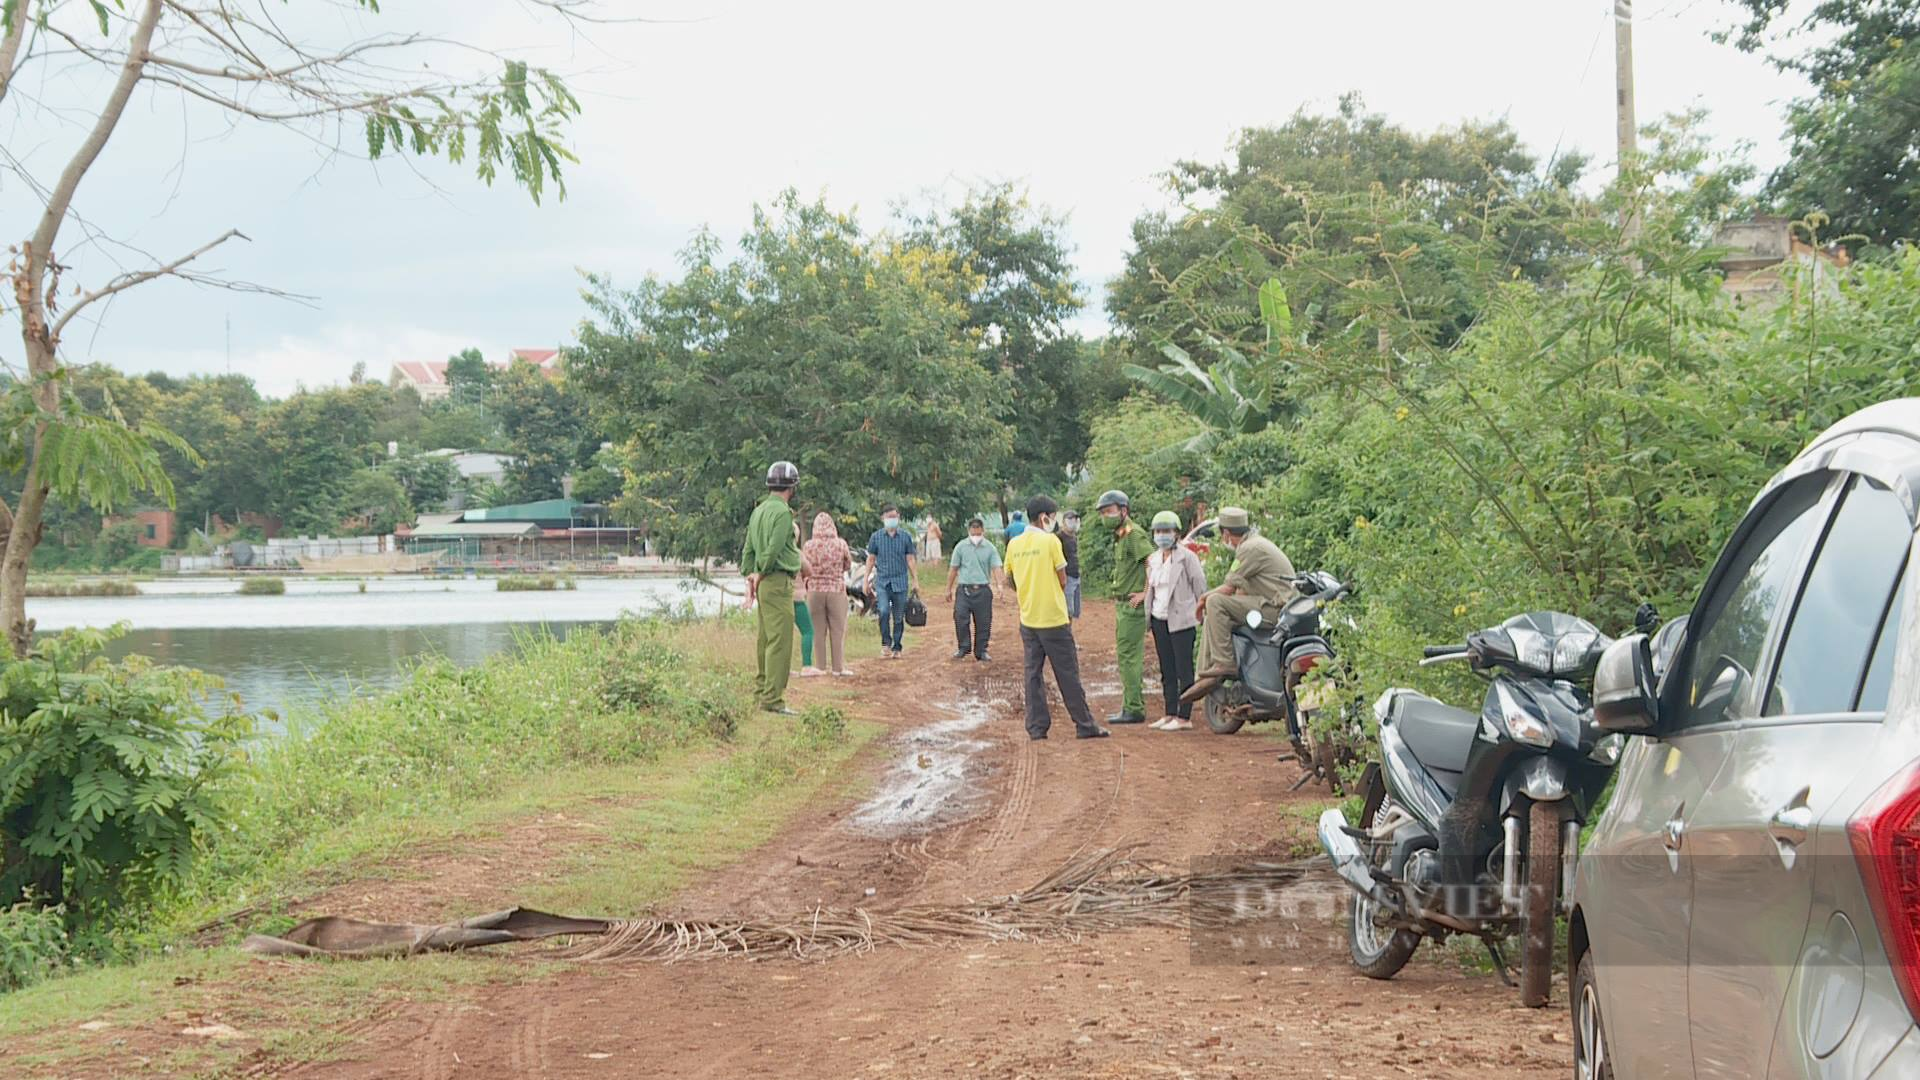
x,y
916,611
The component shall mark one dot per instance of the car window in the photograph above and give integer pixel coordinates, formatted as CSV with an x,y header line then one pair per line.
x,y
1873,692
1840,609
1731,632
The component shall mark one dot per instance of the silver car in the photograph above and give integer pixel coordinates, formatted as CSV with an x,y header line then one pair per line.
x,y
1750,902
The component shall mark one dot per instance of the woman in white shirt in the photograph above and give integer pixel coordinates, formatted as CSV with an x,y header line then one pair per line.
x,y
1175,583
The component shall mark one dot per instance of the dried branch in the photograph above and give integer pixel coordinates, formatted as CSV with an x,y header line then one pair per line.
x,y
127,281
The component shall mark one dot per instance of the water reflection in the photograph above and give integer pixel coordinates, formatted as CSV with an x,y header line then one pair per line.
x,y
327,639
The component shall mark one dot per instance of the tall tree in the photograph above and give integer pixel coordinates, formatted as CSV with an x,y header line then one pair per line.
x,y
1191,276
846,354
546,430
232,57
1020,293
1854,143
314,442
468,377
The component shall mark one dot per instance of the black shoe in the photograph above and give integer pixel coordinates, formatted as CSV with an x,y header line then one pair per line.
x,y
959,654
1127,718
778,710
1031,737
1096,733
983,658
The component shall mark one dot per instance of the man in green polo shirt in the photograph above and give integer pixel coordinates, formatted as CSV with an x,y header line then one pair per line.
x,y
970,588
1132,546
770,560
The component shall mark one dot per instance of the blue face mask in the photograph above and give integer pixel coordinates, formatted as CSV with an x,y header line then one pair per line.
x,y
891,523
1165,540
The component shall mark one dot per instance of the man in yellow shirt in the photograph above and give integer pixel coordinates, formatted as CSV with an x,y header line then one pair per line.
x,y
1038,569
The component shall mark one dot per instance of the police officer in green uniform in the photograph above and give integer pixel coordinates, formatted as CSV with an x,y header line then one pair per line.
x,y
1132,546
770,560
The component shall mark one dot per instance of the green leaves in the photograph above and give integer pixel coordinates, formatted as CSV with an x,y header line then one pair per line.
x,y
109,775
88,455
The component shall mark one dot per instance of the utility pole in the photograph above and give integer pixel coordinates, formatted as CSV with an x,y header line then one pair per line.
x,y
1627,131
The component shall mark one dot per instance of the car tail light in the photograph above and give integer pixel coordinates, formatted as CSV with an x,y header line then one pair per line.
x,y
1885,834
1304,664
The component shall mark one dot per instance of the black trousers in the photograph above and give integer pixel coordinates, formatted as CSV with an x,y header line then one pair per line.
x,y
973,606
1054,646
1176,665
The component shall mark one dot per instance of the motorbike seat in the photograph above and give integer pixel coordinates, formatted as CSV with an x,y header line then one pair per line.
x,y
1437,733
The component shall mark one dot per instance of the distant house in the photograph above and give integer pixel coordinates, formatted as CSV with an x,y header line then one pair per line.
x,y
473,465
154,528
549,531
429,377
1760,247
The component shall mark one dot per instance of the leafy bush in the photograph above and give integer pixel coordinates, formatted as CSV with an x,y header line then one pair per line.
x,y
109,775
263,586
109,587
823,724
33,943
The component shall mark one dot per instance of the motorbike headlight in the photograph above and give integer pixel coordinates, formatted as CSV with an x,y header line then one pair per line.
x,y
1530,648
1607,750
1570,652
1522,725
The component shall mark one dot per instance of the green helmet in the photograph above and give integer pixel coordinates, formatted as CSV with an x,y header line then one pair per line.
x,y
1167,519
1113,498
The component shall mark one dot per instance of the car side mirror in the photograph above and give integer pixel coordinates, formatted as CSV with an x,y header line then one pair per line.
x,y
1646,619
1623,688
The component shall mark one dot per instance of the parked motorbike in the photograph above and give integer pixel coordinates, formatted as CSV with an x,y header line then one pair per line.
x,y
1273,660
1471,822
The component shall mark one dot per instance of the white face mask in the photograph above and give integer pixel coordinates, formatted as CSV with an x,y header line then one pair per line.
x,y
978,539
890,523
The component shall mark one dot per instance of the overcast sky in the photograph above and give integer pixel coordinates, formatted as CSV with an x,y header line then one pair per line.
x,y
688,123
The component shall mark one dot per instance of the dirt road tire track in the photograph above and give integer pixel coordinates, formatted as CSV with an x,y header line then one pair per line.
x,y
1129,1004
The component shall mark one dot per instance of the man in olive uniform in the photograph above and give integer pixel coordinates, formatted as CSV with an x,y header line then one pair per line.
x,y
770,561
1261,580
1132,546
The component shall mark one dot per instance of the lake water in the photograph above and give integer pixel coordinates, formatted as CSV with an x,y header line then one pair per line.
x,y
324,639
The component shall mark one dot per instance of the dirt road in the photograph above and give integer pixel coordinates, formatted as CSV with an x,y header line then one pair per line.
x,y
1129,1004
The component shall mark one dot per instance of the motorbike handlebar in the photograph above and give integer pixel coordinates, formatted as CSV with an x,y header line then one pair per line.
x,y
1433,651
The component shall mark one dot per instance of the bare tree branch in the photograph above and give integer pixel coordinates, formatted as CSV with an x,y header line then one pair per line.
x,y
40,249
127,281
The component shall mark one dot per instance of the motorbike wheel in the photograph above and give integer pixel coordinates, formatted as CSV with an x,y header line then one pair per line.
x,y
1218,720
1537,911
1377,951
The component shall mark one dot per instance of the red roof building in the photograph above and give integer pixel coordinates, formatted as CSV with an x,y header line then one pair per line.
x,y
429,377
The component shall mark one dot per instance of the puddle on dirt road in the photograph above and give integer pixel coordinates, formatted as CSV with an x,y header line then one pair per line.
x,y
935,779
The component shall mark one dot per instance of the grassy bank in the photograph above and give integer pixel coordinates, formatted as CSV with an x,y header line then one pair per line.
x,y
644,732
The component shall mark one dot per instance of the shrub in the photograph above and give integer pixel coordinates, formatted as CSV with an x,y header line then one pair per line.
x,y
823,724
110,587
263,586
33,943
108,774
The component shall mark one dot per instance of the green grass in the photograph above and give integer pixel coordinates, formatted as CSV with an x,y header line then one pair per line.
x,y
263,586
666,757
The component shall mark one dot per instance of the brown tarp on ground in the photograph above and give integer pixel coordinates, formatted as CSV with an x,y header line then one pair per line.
x,y
332,935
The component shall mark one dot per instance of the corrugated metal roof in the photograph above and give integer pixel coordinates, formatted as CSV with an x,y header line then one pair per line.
x,y
477,530
545,510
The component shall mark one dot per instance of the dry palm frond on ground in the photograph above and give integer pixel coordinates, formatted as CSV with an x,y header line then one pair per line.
x,y
1103,890
1109,889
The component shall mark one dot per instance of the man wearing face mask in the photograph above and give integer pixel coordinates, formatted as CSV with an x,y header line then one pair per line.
x,y
890,577
975,574
1070,545
1038,569
1261,580
1131,549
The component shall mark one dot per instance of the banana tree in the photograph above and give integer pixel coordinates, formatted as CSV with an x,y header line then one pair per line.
x,y
1233,395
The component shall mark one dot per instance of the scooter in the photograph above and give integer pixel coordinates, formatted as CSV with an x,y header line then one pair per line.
x,y
1471,822
1272,661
